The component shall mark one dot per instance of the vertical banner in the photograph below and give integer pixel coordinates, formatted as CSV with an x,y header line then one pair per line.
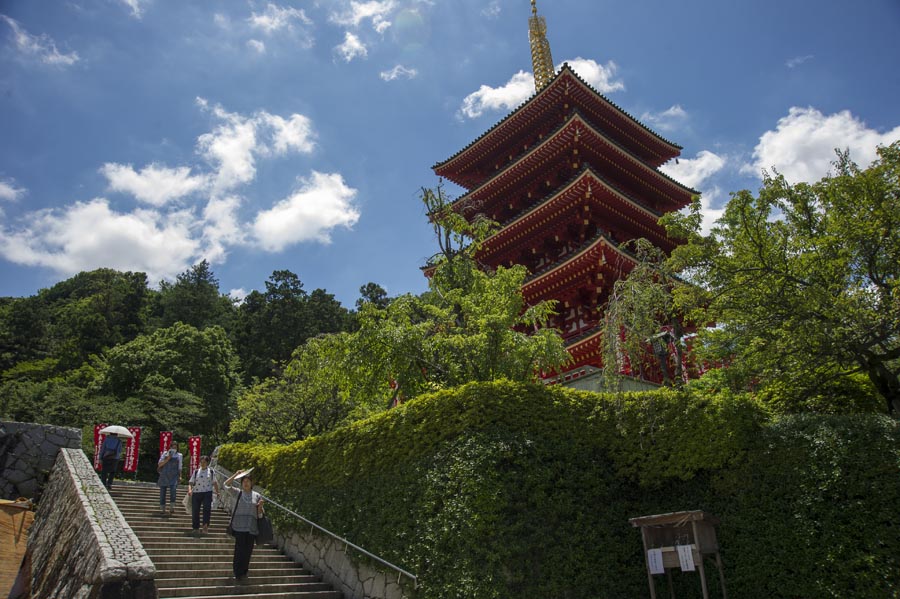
x,y
165,441
194,447
98,441
131,450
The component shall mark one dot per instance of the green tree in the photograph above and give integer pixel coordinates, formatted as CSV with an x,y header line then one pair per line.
x,y
170,367
193,299
272,324
372,293
310,398
642,308
803,280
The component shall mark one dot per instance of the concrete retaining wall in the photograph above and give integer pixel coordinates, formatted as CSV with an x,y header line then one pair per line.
x,y
27,453
80,545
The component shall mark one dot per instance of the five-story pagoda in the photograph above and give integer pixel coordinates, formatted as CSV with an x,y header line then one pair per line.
x,y
569,176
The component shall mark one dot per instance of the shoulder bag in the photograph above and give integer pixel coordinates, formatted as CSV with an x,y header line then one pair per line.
x,y
228,528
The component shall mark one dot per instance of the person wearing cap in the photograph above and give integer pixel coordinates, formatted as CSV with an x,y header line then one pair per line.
x,y
248,509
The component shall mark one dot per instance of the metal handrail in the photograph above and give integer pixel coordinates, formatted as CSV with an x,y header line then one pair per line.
x,y
401,571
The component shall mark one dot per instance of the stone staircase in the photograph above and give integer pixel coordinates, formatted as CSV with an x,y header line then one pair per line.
x,y
199,567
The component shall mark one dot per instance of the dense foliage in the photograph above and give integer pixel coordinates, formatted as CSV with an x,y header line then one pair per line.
x,y
803,282
505,490
103,346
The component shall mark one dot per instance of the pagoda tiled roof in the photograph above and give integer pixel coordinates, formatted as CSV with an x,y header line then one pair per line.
x,y
599,242
553,138
583,177
549,89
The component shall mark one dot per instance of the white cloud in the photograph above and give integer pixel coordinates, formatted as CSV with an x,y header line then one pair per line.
x,y
238,294
377,11
797,61
136,6
41,47
520,87
154,184
598,76
276,18
232,146
667,120
9,191
492,10
802,146
322,203
351,48
222,21
693,172
88,235
709,198
397,72
257,46
221,228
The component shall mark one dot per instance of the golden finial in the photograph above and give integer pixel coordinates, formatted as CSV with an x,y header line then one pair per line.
x,y
541,59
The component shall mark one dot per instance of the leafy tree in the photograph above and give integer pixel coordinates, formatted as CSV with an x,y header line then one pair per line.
x,y
642,306
372,293
193,299
310,398
271,325
804,280
180,370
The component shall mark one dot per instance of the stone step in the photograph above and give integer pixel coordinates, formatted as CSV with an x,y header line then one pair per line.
x,y
205,552
297,582
186,558
248,587
239,593
223,570
200,543
192,565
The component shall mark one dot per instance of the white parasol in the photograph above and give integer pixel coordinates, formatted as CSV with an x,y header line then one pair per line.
x,y
119,430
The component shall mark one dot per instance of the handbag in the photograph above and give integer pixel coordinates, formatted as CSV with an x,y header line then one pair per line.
x,y
266,533
228,528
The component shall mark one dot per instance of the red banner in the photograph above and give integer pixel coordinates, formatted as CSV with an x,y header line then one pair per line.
x,y
194,448
98,441
165,441
131,450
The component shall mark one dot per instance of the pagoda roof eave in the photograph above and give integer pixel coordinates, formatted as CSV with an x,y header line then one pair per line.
x,y
543,277
546,90
574,120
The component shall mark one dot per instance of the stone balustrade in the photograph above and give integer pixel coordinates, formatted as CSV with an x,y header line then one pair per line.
x,y
80,545
27,453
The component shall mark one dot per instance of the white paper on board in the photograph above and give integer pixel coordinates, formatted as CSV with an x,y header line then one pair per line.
x,y
655,561
686,557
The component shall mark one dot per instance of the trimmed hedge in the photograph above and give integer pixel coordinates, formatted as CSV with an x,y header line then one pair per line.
x,y
505,490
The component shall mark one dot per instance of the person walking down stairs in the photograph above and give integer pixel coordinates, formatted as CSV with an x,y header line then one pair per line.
x,y
200,489
248,509
192,566
169,468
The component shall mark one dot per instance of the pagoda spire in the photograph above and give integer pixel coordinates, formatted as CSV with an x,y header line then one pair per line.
x,y
542,61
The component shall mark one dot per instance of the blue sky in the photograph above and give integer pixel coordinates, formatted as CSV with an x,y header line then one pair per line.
x,y
151,134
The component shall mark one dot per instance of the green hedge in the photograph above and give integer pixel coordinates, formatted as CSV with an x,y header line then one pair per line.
x,y
505,490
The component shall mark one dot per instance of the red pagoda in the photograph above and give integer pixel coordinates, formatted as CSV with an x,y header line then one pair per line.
x,y
569,176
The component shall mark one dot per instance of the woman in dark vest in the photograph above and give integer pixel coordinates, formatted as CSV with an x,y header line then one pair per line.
x,y
247,510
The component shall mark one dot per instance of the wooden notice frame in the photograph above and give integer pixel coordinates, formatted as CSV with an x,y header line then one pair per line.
x,y
666,532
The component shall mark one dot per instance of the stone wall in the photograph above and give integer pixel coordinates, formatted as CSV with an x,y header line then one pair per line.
x,y
27,453
342,567
80,545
